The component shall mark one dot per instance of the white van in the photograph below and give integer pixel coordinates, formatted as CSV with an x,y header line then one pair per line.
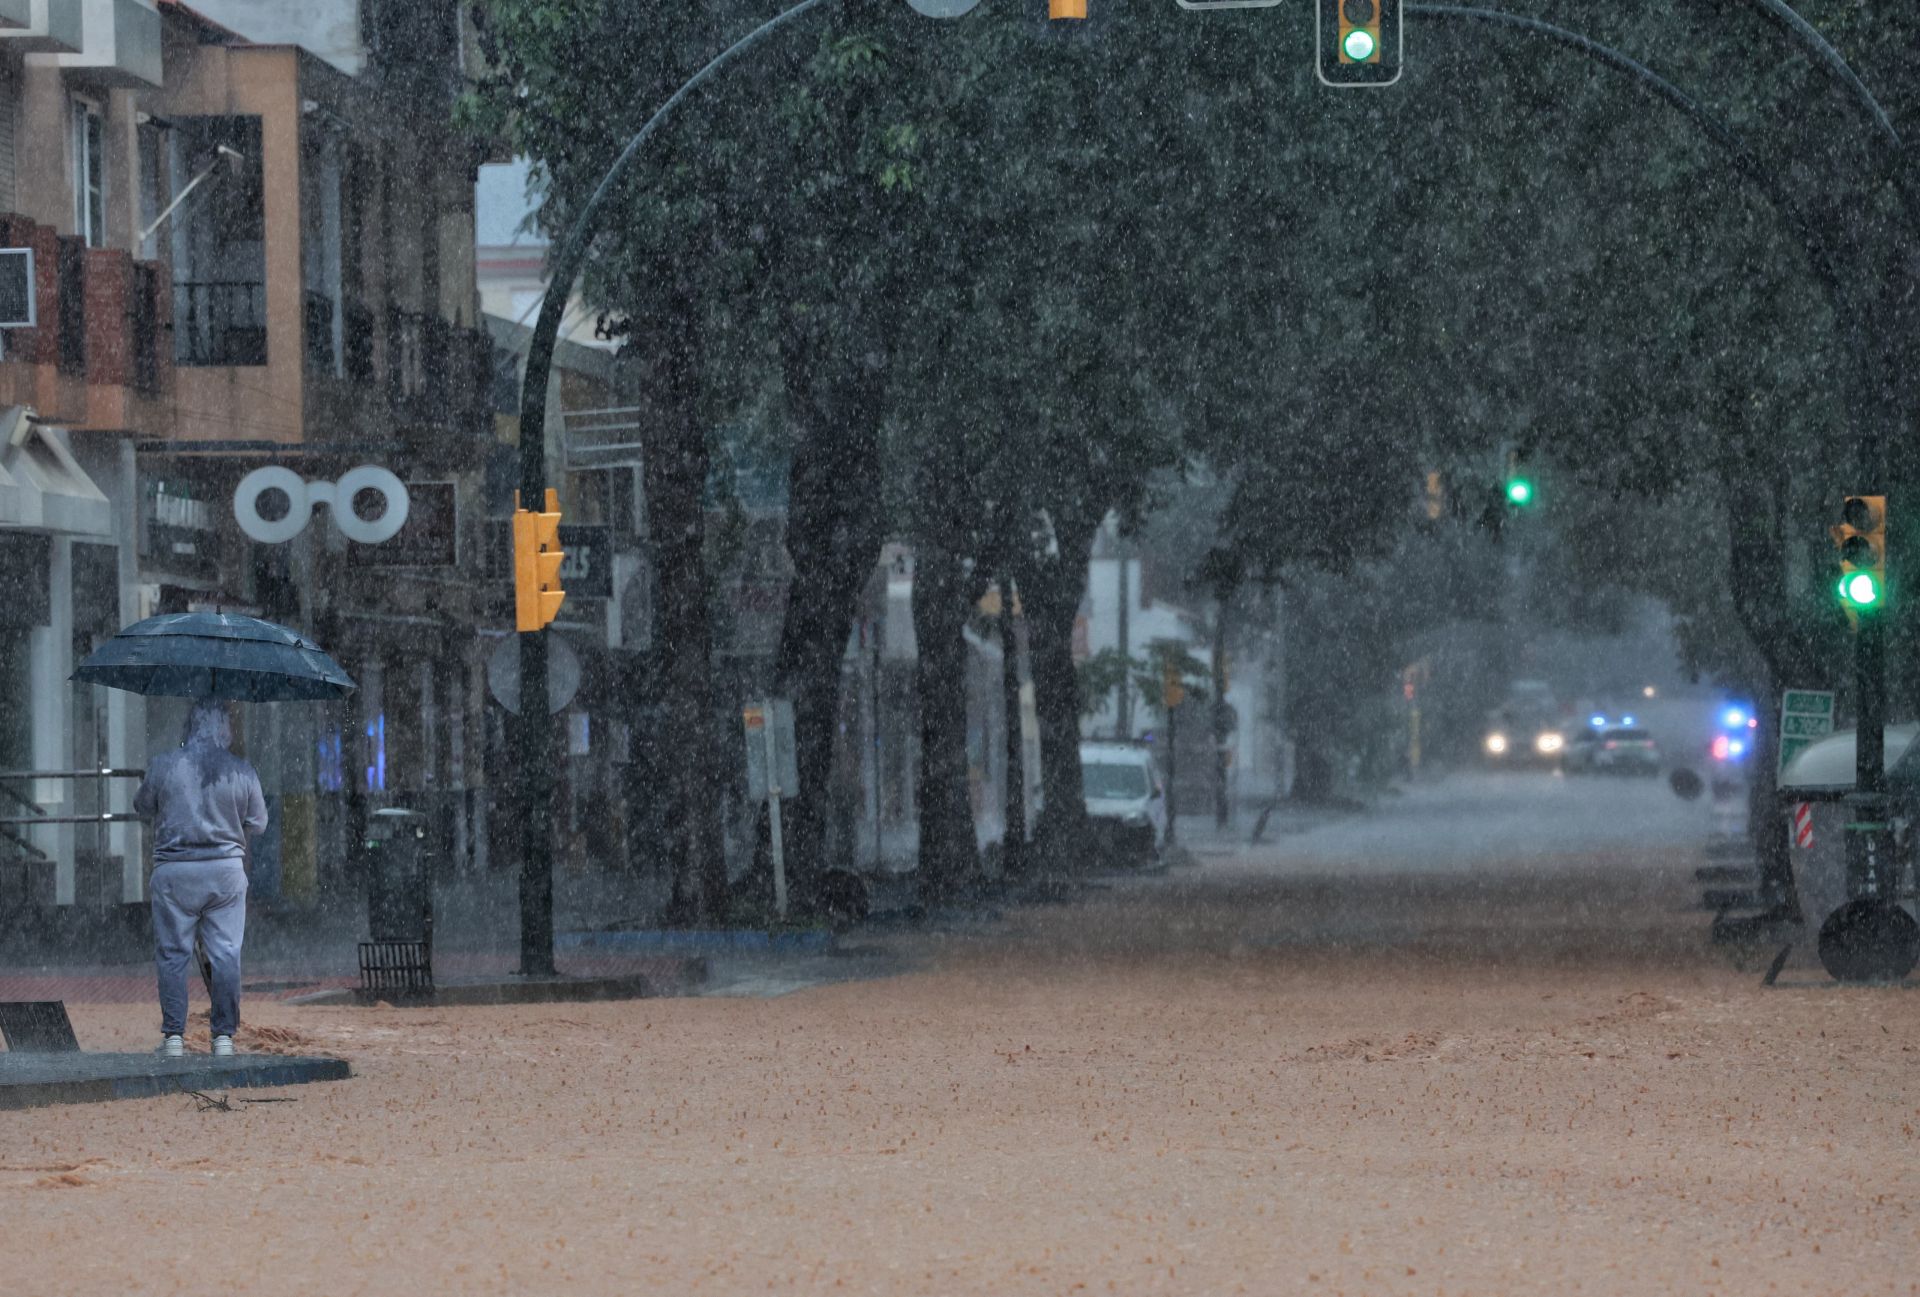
x,y
1125,799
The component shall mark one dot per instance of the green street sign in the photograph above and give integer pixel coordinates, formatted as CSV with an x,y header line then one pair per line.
x,y
1806,716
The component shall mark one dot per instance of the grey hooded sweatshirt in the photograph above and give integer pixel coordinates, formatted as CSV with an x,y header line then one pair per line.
x,y
205,803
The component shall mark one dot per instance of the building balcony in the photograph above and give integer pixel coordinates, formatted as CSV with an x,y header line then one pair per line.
x,y
439,376
121,45
222,323
50,26
98,356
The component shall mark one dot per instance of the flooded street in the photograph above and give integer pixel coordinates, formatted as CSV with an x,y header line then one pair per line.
x,y
1406,1069
623,626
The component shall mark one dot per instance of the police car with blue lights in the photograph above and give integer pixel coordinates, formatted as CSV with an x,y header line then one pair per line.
x,y
1612,745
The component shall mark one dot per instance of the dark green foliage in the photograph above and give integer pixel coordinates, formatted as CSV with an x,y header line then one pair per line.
x,y
1007,276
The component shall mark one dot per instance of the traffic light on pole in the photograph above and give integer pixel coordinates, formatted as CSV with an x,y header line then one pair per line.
x,y
1861,539
1519,483
1173,691
1359,42
537,557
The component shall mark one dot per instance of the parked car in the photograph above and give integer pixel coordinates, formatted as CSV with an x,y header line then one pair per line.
x,y
1612,749
1126,800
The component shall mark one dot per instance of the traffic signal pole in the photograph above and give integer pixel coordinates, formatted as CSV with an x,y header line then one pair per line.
x,y
531,733
1869,835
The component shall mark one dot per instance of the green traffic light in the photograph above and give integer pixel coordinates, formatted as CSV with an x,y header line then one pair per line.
x,y
1359,45
1519,491
1860,589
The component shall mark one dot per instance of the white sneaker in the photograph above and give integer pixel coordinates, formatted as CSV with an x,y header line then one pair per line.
x,y
172,1047
223,1046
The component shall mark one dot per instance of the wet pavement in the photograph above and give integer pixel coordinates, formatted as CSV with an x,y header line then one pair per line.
x,y
1472,1041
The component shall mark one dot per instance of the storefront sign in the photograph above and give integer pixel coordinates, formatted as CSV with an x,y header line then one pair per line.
x,y
178,529
587,570
341,499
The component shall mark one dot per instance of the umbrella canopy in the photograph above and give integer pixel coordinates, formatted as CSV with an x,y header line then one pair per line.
x,y
215,655
1827,764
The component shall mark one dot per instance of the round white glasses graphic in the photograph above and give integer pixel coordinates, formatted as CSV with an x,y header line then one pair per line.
x,y
303,496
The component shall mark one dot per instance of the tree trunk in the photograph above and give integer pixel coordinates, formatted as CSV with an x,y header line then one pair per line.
x,y
1051,589
1758,585
949,850
834,538
1222,811
1013,846
676,472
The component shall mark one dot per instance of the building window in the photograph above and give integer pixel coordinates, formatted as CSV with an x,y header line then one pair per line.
x,y
218,242
89,184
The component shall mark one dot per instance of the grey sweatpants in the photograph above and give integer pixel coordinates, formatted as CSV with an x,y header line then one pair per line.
x,y
207,898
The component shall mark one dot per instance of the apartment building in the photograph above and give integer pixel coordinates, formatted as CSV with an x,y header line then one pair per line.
x,y
91,376
264,216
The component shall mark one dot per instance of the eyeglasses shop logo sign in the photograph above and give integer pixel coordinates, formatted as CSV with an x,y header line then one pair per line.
x,y
303,496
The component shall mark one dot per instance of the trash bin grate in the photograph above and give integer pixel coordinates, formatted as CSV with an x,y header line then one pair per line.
x,y
396,965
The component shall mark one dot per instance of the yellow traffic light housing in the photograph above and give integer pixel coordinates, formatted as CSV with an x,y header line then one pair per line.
x,y
1360,31
537,557
1066,9
1173,691
1861,539
1359,42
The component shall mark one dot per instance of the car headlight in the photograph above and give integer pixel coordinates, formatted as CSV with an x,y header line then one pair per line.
x,y
1137,820
1549,743
1497,744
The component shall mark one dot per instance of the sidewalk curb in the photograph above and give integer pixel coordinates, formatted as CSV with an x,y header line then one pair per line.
x,y
669,940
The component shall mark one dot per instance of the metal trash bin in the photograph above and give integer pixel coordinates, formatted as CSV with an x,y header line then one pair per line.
x,y
399,955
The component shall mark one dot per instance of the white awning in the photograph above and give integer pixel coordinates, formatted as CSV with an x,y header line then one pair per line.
x,y
1827,765
43,487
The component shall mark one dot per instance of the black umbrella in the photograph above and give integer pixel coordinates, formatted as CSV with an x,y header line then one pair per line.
x,y
215,655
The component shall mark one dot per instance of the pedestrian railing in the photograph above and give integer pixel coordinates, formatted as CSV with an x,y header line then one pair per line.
x,y
37,815
21,845
22,814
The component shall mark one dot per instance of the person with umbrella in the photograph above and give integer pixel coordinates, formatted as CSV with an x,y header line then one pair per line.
x,y
205,803
206,807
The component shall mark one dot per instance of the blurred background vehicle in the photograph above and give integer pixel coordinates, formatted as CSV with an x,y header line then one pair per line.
x,y
1605,748
1126,800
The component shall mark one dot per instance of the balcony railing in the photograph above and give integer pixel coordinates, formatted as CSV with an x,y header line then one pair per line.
x,y
220,323
439,375
72,274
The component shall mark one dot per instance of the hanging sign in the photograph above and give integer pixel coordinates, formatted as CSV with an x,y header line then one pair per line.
x,y
303,496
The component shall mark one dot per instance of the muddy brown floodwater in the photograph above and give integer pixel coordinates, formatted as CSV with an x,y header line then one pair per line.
x,y
1246,1077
